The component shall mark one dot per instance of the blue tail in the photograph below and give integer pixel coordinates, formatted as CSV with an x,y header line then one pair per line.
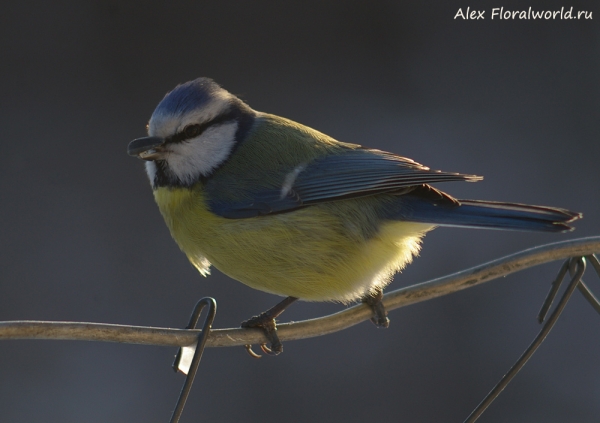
x,y
440,209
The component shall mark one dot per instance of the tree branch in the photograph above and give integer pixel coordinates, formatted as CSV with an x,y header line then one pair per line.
x,y
27,329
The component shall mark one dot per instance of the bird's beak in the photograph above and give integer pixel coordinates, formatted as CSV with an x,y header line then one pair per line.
x,y
146,148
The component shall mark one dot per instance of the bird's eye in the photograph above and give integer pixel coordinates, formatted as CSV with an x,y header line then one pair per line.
x,y
192,131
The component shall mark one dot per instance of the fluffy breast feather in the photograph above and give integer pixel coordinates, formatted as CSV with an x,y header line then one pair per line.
x,y
336,251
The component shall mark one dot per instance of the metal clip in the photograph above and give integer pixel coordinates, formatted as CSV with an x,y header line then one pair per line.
x,y
188,358
576,267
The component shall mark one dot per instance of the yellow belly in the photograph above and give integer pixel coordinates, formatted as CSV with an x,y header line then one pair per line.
x,y
317,253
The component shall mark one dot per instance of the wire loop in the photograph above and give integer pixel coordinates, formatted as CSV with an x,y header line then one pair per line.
x,y
199,349
576,267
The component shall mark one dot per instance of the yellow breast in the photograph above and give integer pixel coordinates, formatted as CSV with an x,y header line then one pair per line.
x,y
318,253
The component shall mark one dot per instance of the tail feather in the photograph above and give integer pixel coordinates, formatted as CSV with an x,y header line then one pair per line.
x,y
489,214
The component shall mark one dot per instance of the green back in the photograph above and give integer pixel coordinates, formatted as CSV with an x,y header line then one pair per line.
x,y
273,148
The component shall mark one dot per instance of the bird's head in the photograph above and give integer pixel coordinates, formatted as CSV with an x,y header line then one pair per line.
x,y
192,131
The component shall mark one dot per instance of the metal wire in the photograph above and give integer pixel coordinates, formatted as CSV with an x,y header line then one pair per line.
x,y
202,338
584,288
578,265
28,329
553,291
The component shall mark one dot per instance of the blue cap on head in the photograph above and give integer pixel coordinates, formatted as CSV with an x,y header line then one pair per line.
x,y
187,97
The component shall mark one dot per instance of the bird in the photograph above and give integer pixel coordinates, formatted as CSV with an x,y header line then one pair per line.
x,y
289,210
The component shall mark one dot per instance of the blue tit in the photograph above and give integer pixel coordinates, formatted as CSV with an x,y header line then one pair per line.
x,y
288,210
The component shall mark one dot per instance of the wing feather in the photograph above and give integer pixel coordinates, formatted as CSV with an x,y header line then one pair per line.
x,y
350,173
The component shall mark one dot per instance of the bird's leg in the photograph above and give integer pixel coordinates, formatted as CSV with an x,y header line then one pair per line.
x,y
379,318
266,322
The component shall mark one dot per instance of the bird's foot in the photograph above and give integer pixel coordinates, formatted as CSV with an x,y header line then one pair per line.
x,y
374,301
265,322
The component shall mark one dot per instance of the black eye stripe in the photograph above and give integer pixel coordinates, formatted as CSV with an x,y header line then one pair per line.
x,y
190,131
195,130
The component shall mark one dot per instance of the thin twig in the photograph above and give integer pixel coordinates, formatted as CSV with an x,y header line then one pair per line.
x,y
307,328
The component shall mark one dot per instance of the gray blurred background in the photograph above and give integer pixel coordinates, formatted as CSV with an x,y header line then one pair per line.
x,y
82,240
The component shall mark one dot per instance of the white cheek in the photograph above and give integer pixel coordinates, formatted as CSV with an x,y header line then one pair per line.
x,y
197,157
151,171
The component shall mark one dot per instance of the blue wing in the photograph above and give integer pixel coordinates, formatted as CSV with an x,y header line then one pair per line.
x,y
350,174
427,205
360,173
